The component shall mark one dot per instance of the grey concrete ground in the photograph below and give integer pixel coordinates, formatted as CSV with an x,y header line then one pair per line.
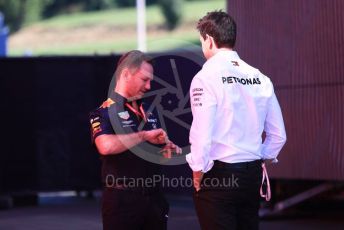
x,y
75,213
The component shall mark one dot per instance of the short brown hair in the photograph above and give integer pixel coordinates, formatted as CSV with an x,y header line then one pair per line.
x,y
220,26
131,60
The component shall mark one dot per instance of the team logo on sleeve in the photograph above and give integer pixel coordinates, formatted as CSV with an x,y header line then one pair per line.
x,y
95,123
196,98
124,115
107,103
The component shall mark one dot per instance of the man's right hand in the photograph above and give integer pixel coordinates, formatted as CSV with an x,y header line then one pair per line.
x,y
155,136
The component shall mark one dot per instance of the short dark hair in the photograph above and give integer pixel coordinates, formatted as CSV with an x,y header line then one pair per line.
x,y
220,26
131,60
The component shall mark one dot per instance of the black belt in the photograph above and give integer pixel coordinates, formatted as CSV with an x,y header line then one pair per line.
x,y
240,165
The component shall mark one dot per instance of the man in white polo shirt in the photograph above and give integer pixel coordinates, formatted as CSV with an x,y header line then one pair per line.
x,y
232,104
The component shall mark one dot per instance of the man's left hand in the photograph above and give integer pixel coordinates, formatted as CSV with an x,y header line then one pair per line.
x,y
197,179
169,148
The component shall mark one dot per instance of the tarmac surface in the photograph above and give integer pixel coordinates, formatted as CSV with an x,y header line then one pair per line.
x,y
81,213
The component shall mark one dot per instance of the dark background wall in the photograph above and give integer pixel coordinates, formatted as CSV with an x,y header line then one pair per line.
x,y
299,44
45,106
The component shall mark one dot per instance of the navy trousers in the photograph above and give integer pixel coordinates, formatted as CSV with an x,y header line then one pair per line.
x,y
134,210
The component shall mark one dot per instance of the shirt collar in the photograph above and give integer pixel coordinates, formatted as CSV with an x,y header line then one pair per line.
x,y
120,99
228,54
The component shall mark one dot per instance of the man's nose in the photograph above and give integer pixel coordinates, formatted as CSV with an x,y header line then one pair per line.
x,y
148,85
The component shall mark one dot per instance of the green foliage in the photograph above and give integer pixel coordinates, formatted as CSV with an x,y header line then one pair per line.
x,y
114,18
55,7
33,10
13,11
125,3
19,12
172,10
131,3
98,4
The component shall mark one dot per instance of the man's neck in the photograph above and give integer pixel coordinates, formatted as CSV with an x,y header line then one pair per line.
x,y
217,50
122,92
125,95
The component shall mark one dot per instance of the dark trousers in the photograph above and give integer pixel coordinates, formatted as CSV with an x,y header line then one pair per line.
x,y
229,197
133,210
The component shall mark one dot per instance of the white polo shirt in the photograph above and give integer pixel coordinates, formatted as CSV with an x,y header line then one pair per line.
x,y
232,104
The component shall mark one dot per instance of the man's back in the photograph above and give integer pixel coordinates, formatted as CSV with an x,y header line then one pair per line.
x,y
239,97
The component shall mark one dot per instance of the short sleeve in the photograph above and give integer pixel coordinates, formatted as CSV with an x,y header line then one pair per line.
x,y
100,124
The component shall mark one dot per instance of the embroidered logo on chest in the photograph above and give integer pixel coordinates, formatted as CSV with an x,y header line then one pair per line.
x,y
124,115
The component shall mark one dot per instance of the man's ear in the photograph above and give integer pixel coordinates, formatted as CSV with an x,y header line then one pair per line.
x,y
125,74
211,42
